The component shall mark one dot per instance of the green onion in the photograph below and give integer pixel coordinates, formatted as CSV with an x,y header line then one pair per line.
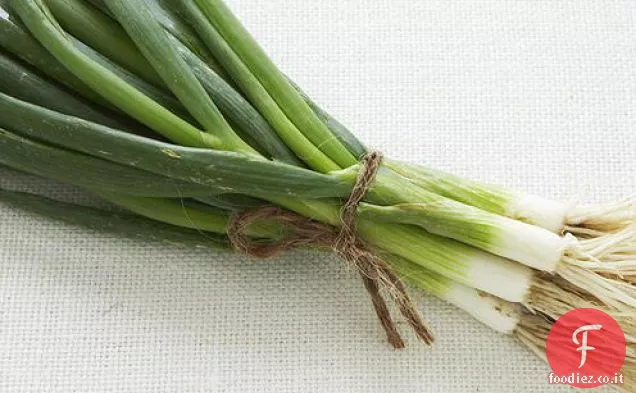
x,y
439,215
176,212
181,30
227,172
502,316
17,41
196,53
338,130
157,94
176,26
126,225
231,173
275,83
247,122
259,97
18,80
78,18
152,60
532,210
41,24
70,167
156,46
244,118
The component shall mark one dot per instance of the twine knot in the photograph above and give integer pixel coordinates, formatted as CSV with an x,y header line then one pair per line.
x,y
376,274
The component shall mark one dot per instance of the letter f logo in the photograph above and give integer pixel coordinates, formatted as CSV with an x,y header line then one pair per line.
x,y
584,347
571,339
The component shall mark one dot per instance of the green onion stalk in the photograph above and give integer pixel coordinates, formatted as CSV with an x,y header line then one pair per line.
x,y
140,192
230,130
496,235
206,231
414,205
96,149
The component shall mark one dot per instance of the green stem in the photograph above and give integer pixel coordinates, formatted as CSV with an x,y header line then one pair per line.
x,y
156,46
20,81
157,94
177,27
16,40
259,97
81,19
156,230
188,214
181,214
443,256
124,224
42,25
346,137
71,167
489,198
226,171
244,119
232,202
274,82
180,29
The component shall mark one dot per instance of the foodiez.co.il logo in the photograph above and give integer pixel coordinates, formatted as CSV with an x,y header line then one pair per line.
x,y
586,348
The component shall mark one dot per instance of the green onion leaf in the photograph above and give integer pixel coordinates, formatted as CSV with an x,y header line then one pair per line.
x,y
42,25
15,39
155,44
229,172
81,170
126,225
276,84
257,94
83,20
20,81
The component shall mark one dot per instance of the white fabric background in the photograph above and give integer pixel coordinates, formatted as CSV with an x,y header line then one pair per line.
x,y
536,95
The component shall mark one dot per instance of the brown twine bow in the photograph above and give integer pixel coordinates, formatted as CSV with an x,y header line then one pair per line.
x,y
376,274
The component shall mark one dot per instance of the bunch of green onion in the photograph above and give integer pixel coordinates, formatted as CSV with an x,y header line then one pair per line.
x,y
171,110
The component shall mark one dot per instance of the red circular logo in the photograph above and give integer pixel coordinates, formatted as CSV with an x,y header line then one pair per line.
x,y
586,348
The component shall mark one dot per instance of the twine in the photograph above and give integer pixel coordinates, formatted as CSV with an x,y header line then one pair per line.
x,y
376,274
